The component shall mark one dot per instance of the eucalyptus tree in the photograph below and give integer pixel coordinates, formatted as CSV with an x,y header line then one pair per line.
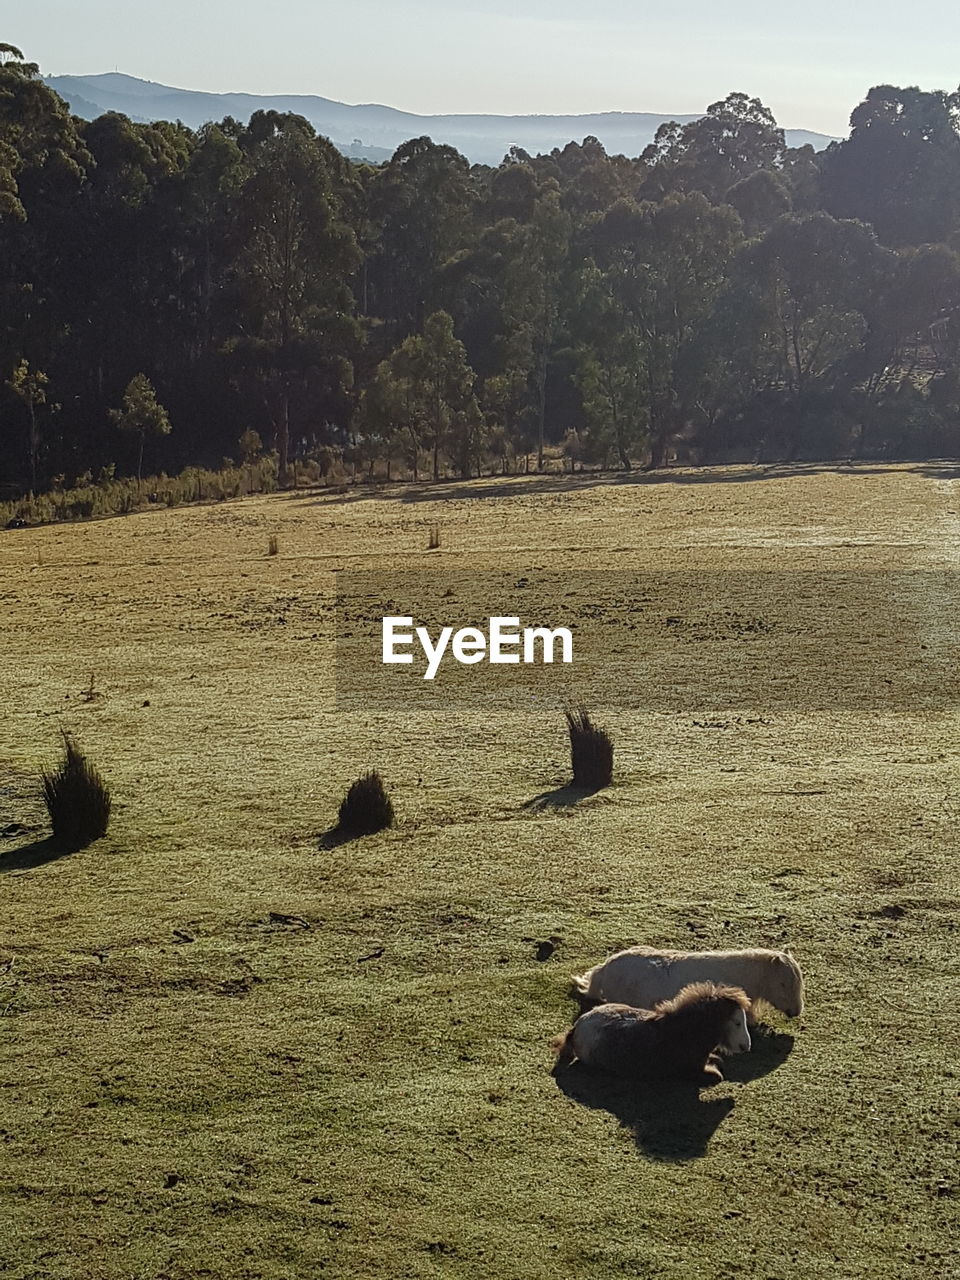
x,y
141,414
38,135
660,268
900,168
42,166
425,391
817,280
736,137
421,205
30,387
293,271
509,293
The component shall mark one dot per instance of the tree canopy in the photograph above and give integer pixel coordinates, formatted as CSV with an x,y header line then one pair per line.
x,y
721,295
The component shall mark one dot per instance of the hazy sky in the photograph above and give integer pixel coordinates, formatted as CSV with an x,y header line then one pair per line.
x,y
811,63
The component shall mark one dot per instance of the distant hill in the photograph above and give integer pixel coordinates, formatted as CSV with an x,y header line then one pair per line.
x,y
374,132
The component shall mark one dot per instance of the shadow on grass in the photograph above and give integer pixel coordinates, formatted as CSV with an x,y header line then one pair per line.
x,y
493,487
672,1121
336,836
669,1122
31,855
770,1050
561,798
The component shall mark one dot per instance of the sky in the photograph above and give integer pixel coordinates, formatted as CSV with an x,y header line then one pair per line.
x,y
811,63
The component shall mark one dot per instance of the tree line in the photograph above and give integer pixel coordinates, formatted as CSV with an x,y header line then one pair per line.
x,y
167,291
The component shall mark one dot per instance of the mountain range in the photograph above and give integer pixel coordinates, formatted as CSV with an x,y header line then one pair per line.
x,y
372,132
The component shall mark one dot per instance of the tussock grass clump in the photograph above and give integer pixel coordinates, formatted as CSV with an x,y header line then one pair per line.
x,y
366,807
77,799
591,751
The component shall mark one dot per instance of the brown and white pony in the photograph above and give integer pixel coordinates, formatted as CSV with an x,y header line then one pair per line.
x,y
679,1039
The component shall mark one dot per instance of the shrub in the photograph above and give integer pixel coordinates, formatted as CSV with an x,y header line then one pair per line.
x,y
591,750
366,807
77,799
251,446
112,496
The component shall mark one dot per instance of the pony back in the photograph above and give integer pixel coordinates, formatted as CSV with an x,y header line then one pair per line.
x,y
645,976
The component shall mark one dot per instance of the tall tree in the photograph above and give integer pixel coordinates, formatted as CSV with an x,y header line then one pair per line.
x,y
294,270
900,168
817,277
663,267
30,387
421,202
38,136
509,295
737,136
141,415
426,389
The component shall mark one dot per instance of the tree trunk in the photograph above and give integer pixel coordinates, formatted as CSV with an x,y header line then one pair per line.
x,y
283,436
541,406
34,445
618,435
658,450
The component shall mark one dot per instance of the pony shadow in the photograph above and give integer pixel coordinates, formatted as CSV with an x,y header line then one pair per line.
x,y
770,1050
35,854
670,1121
561,798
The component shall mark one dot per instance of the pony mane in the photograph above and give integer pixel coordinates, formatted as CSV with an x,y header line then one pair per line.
x,y
791,964
763,955
700,993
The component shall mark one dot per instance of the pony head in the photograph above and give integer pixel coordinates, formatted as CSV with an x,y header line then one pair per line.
x,y
736,1034
787,985
729,1004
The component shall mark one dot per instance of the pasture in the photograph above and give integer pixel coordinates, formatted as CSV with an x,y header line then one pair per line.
x,y
232,1052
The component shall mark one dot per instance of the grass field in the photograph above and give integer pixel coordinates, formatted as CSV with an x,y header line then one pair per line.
x,y
232,1052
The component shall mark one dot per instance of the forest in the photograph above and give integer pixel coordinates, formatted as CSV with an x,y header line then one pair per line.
x,y
242,294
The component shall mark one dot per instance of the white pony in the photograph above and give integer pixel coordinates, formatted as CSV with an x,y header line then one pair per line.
x,y
643,976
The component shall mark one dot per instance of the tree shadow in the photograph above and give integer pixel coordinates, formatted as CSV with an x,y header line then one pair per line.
x,y
564,797
669,1121
493,487
35,854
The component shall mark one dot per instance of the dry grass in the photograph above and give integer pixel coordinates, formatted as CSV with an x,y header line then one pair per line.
x,y
234,1054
